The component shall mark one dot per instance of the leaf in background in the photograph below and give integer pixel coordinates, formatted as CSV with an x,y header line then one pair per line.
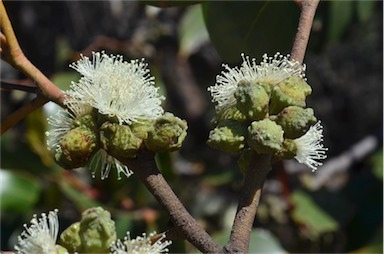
x,y
340,15
262,241
165,164
192,31
306,212
80,200
18,192
252,27
377,161
63,79
365,9
35,135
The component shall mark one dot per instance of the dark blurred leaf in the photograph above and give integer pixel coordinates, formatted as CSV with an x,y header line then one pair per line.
x,y
192,31
262,241
365,9
81,201
123,224
165,164
252,27
375,245
18,192
165,4
306,212
340,15
36,125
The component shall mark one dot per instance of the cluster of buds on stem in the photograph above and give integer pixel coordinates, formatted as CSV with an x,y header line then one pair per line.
x,y
113,112
261,109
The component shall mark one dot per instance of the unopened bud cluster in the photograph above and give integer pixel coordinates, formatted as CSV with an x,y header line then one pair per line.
x,y
262,108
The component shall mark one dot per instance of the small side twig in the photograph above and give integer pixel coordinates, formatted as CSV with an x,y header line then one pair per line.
x,y
21,113
308,10
248,203
11,85
11,52
145,168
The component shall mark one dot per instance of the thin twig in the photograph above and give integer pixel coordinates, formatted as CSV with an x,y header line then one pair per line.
x,y
145,167
308,10
248,203
12,52
21,86
21,113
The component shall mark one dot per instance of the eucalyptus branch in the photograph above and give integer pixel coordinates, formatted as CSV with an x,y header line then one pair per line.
x,y
145,167
11,52
20,86
21,113
308,10
248,203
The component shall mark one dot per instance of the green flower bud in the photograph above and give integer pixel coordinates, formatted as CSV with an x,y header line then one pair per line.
x,y
97,231
252,100
88,121
231,113
245,159
229,136
265,136
287,151
61,250
295,121
76,147
70,238
140,129
166,133
291,92
119,141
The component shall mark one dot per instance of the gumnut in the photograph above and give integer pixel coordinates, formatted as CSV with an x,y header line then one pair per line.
x,y
287,151
76,147
140,129
295,121
229,136
97,231
252,100
88,120
166,133
265,136
119,141
70,238
291,92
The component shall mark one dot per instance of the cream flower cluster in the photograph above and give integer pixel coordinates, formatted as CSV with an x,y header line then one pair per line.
x,y
40,237
271,70
109,87
262,106
140,245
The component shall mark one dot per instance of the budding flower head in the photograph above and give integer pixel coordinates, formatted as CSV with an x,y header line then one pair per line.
x,y
117,88
272,70
309,147
40,237
140,245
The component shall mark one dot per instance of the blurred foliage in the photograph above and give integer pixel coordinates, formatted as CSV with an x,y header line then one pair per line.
x,y
346,216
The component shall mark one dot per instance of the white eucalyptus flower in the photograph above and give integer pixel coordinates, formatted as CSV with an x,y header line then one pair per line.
x,y
140,245
104,162
117,88
40,237
271,70
310,148
63,121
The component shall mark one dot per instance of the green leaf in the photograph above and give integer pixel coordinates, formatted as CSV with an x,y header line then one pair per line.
x,y
365,9
252,27
63,79
36,125
377,161
340,16
308,213
261,241
192,31
18,192
81,201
